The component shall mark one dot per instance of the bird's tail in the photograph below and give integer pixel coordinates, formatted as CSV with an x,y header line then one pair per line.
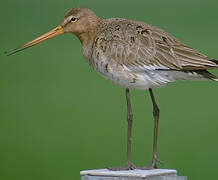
x,y
215,61
208,75
213,77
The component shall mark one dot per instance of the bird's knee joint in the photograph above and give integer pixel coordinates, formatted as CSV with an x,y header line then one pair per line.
x,y
130,117
156,111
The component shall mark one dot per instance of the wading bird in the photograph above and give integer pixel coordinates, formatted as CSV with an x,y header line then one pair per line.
x,y
134,55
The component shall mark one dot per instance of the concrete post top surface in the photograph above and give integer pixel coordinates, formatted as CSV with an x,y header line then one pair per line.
x,y
130,173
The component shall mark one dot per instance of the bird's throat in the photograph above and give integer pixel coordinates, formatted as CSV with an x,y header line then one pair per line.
x,y
87,36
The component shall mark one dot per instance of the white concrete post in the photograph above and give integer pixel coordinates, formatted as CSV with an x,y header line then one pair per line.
x,y
155,174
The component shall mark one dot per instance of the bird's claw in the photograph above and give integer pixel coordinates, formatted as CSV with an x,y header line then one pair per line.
x,y
153,165
129,166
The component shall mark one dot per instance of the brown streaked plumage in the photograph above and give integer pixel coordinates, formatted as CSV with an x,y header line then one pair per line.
x,y
134,55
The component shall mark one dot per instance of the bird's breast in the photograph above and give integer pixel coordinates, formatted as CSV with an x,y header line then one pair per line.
x,y
117,73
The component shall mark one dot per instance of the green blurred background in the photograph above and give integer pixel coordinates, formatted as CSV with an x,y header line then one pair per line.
x,y
58,116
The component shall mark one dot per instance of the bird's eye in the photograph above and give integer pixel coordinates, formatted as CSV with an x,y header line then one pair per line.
x,y
73,19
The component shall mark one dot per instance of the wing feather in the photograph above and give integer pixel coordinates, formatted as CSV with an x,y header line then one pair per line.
x,y
139,46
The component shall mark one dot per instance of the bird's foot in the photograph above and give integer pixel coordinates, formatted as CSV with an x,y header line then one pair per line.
x,y
148,167
153,165
129,166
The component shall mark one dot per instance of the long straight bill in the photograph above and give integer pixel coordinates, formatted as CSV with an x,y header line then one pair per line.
x,y
54,32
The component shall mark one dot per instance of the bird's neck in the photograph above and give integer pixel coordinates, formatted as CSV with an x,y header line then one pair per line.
x,y
87,36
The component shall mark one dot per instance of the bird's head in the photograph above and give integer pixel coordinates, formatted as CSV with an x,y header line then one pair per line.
x,y
79,21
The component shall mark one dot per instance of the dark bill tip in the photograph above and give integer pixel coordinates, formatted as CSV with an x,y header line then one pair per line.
x,y
54,32
13,51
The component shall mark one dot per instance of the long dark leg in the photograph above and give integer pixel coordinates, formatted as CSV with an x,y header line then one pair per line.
x,y
129,165
129,132
156,122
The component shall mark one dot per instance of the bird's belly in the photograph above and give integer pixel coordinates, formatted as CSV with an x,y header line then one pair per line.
x,y
117,74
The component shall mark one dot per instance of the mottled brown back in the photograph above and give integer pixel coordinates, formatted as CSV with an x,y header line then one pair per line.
x,y
140,46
